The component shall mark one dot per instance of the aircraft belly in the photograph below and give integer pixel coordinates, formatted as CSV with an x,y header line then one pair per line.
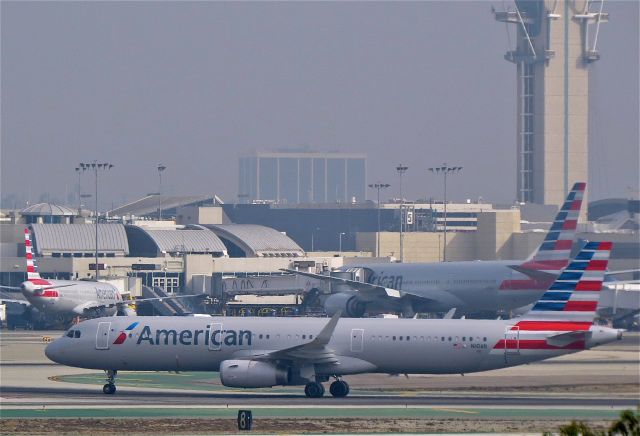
x,y
164,358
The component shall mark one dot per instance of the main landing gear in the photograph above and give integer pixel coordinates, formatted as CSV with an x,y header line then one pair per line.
x,y
110,387
338,389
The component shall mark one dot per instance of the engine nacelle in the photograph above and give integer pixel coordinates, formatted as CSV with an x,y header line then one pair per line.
x,y
253,374
349,304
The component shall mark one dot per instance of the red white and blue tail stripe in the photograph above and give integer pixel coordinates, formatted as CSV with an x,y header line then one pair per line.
x,y
574,295
32,270
553,254
561,319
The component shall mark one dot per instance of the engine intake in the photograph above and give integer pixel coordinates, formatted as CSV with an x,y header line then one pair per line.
x,y
349,304
253,374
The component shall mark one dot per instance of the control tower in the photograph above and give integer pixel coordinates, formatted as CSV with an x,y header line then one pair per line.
x,y
552,43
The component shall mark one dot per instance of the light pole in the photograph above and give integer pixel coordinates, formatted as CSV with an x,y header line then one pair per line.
x,y
312,237
95,166
340,235
444,170
161,168
79,171
378,186
401,169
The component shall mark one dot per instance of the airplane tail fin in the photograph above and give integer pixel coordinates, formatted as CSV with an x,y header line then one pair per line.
x,y
553,254
570,302
32,269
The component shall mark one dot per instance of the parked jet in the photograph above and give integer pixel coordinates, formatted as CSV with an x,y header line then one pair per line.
x,y
266,352
466,286
70,298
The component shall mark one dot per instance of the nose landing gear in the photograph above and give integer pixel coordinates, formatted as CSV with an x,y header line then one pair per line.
x,y
110,387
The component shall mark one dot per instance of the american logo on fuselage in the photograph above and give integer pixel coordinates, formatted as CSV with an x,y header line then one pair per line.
x,y
394,282
105,294
194,337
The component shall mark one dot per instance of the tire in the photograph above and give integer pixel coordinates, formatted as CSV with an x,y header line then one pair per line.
x,y
339,389
109,389
314,390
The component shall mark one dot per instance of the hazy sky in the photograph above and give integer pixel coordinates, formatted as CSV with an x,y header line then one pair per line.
x,y
194,85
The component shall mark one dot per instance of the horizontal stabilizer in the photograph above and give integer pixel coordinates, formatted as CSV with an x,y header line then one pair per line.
x,y
564,339
534,273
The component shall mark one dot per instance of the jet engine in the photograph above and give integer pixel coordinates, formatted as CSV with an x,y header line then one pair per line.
x,y
349,304
253,374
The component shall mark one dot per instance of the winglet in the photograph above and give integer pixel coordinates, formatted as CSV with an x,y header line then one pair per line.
x,y
325,334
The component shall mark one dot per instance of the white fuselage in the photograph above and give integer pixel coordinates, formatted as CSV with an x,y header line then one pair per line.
x,y
360,345
72,297
467,286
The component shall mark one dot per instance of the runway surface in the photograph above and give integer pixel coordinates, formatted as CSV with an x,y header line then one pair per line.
x,y
606,379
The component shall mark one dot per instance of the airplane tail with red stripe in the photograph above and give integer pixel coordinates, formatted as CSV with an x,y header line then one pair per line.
x,y
571,301
553,254
32,270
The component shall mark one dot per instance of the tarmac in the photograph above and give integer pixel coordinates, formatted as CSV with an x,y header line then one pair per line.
x,y
591,385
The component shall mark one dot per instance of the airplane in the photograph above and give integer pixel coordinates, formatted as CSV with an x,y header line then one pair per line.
x,y
266,352
71,298
410,288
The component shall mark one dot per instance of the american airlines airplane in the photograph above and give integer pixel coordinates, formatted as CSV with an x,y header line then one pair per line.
x,y
266,352
71,298
467,286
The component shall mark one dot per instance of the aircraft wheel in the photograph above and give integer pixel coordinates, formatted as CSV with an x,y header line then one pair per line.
x,y
109,389
314,390
339,388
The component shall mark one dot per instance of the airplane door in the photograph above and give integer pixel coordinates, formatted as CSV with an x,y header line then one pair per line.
x,y
357,340
215,336
102,336
511,341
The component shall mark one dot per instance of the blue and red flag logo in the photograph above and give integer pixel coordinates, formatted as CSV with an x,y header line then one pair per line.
x,y
124,334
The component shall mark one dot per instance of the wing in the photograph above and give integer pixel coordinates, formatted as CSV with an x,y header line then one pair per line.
x,y
366,291
315,351
15,288
9,300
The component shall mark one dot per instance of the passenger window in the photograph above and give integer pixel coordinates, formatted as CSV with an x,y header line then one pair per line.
x,y
400,337
449,338
484,339
442,339
304,336
267,336
470,338
394,338
310,336
464,338
260,336
408,337
76,334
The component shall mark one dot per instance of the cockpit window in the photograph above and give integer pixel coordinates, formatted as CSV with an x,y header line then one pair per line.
x,y
73,334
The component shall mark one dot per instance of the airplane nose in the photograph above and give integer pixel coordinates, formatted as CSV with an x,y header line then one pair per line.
x,y
54,351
